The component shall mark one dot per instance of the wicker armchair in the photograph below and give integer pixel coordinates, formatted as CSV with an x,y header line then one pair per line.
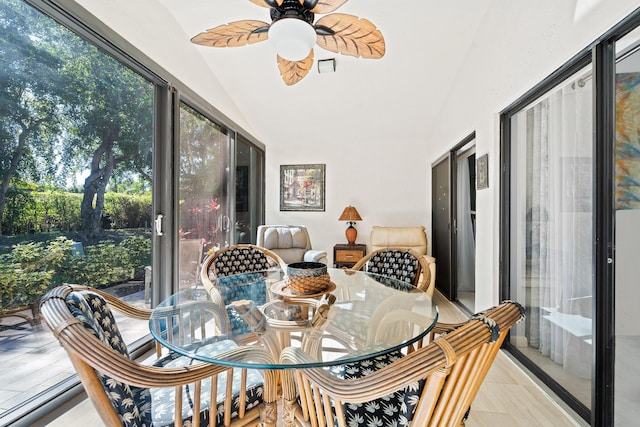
x,y
242,261
431,386
413,237
190,258
168,392
238,259
401,264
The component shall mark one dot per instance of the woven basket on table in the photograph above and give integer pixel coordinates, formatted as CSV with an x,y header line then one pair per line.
x,y
307,277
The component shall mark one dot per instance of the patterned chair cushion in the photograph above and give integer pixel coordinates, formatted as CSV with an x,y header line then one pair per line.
x,y
240,260
140,407
157,405
242,286
396,264
394,410
250,286
94,314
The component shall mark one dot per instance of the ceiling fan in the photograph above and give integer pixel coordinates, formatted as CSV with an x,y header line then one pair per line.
x,y
293,34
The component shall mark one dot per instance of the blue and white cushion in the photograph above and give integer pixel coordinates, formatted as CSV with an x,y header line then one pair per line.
x,y
159,402
397,264
249,286
92,311
240,260
394,410
141,407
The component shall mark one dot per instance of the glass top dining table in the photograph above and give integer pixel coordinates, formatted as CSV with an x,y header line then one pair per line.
x,y
358,316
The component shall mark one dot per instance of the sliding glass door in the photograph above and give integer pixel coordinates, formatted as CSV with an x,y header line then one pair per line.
x,y
203,191
552,234
90,192
76,153
627,231
249,191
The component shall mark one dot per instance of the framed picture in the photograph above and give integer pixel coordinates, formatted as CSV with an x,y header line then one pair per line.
x,y
302,187
482,172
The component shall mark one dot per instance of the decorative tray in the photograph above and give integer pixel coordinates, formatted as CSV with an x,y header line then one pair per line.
x,y
281,288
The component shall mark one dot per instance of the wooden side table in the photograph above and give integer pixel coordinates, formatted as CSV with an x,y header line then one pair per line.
x,y
345,255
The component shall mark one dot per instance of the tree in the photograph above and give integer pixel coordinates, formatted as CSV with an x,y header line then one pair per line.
x,y
111,127
30,93
65,108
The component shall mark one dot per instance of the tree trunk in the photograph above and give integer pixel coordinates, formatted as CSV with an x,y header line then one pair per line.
x,y
18,154
92,206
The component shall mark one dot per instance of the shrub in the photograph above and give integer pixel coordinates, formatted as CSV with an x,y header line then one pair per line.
x,y
138,250
30,270
18,213
127,211
29,211
102,264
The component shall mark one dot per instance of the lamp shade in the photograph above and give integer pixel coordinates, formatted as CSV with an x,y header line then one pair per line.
x,y
292,38
350,214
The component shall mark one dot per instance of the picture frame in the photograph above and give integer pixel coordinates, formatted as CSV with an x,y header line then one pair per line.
x,y
482,172
302,187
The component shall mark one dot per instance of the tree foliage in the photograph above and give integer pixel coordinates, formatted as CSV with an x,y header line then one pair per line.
x,y
31,93
67,108
111,126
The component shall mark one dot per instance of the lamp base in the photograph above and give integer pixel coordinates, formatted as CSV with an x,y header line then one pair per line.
x,y
351,234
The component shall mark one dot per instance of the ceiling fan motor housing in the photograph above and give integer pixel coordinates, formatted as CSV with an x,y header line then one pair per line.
x,y
294,9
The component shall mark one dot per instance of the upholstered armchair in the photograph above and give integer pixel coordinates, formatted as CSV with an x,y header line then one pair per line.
x,y
290,242
413,238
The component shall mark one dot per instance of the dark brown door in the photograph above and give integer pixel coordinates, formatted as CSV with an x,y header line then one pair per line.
x,y
441,225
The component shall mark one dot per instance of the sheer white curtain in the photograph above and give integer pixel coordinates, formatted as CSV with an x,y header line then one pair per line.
x,y
465,239
558,226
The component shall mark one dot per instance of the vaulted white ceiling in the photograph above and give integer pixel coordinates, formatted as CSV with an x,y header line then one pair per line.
x,y
426,43
451,58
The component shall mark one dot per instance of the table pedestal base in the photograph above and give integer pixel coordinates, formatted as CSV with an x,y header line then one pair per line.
x,y
289,408
269,414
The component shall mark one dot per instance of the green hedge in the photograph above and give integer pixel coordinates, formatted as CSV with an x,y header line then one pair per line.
x,y
31,269
29,211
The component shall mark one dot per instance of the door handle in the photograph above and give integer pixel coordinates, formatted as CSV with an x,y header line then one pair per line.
x,y
158,225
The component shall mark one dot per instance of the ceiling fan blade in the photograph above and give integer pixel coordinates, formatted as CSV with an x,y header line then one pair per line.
x,y
233,34
294,71
327,6
267,3
350,35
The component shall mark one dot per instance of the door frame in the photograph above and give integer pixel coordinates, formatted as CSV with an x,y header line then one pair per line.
x,y
450,157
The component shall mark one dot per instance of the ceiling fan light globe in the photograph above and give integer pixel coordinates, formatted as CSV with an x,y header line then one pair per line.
x,y
292,38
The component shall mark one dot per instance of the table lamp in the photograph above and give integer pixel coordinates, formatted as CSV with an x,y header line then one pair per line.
x,y
351,215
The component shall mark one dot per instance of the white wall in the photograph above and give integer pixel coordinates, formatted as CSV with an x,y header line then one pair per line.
x,y
387,187
551,33
389,181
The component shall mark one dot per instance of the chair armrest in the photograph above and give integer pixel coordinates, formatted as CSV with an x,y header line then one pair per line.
x,y
314,255
431,263
116,303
